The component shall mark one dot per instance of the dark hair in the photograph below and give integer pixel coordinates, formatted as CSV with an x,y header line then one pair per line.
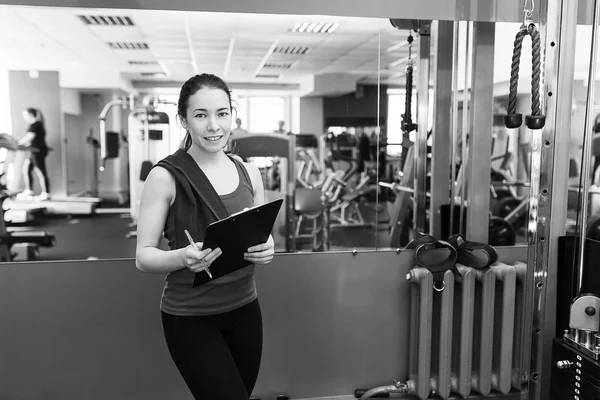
x,y
36,113
189,88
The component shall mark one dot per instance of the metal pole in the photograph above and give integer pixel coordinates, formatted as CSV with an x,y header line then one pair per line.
x,y
547,212
465,127
587,149
480,127
420,194
442,45
454,116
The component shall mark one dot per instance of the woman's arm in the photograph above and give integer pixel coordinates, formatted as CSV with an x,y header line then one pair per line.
x,y
157,197
27,139
262,253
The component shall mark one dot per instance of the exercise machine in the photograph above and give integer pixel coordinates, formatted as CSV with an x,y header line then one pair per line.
x,y
149,138
254,146
23,210
19,244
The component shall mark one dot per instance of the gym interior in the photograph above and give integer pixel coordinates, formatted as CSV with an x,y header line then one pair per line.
x,y
379,124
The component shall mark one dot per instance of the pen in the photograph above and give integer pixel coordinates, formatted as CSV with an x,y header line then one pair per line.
x,y
196,247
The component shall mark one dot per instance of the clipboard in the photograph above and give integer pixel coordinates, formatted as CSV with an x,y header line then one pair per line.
x,y
234,235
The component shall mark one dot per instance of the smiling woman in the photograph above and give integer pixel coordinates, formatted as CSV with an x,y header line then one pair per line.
x,y
169,207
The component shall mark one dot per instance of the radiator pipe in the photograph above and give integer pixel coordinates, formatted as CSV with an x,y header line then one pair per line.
x,y
383,391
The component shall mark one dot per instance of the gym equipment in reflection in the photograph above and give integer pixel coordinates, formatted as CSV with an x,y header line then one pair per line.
x,y
21,210
18,243
274,155
148,141
331,192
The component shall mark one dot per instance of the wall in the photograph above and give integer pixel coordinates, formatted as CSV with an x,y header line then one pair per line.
x,y
43,93
91,329
70,103
311,115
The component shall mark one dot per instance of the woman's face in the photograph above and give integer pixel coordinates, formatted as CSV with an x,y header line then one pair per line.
x,y
29,118
208,119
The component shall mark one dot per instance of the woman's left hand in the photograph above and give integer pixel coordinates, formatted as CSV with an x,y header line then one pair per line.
x,y
261,253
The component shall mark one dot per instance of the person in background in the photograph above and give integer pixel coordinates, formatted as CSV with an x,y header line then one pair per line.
x,y
281,128
238,130
35,139
213,331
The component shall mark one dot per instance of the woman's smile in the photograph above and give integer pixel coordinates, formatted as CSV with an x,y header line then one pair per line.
x,y
214,138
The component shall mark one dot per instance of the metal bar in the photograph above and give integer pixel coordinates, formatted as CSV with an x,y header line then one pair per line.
x,y
454,132
290,188
442,43
547,213
420,196
465,127
480,141
587,148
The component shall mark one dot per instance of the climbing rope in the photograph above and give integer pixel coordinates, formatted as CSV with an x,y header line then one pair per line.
x,y
513,119
407,124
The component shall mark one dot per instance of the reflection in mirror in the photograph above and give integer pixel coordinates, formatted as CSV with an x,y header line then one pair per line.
x,y
433,130
582,136
308,114
398,73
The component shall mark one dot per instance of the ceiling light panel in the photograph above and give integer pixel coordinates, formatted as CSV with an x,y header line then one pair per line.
x,y
291,50
278,65
268,76
142,62
314,27
128,45
106,20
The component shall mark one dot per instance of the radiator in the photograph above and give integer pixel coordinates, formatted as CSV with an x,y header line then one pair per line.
x,y
465,338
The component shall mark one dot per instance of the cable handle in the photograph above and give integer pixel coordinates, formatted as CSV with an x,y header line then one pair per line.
x,y
513,119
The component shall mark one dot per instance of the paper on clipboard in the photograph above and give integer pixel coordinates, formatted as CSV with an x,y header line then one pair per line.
x,y
235,234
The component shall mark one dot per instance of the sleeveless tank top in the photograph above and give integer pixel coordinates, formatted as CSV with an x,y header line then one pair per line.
x,y
220,295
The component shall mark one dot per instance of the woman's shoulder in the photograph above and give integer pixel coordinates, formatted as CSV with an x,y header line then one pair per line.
x,y
36,126
161,181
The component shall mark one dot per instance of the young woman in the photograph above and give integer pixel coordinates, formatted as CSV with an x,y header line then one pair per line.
x,y
35,138
213,331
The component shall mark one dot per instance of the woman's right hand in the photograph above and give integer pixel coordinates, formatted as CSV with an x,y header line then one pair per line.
x,y
197,260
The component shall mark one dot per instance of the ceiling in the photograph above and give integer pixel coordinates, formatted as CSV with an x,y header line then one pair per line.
x,y
100,49
107,47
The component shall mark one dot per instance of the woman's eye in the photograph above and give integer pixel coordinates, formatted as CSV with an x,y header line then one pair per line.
x,y
200,115
223,114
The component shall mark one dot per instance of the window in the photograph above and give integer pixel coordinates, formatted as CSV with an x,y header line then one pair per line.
x,y
264,114
396,103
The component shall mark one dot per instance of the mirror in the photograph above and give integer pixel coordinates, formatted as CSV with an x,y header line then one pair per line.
x,y
309,111
449,129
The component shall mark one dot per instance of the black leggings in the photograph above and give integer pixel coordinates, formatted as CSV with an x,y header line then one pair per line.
x,y
37,159
218,356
